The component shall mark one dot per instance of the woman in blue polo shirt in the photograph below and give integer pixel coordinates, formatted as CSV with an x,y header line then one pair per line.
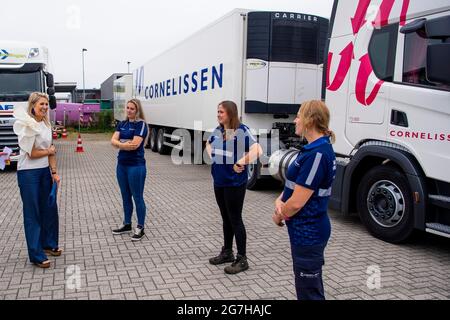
x,y
131,171
304,200
231,148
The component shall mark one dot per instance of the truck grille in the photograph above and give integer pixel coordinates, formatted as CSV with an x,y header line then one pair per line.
x,y
8,139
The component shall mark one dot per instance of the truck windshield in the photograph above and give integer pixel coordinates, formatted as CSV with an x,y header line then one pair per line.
x,y
16,86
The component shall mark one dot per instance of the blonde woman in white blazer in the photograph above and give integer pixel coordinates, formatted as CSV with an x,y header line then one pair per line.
x,y
36,172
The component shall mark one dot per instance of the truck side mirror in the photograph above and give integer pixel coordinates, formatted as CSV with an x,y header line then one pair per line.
x,y
438,63
52,102
413,26
50,80
51,91
438,28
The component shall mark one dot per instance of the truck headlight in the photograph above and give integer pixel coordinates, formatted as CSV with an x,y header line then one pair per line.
x,y
34,52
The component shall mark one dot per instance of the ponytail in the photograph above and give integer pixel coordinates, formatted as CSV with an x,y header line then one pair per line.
x,y
332,135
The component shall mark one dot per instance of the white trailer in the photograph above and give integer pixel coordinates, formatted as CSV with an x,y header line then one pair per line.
x,y
388,90
266,62
23,69
122,92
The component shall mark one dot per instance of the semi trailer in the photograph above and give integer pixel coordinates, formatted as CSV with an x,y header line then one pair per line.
x,y
266,62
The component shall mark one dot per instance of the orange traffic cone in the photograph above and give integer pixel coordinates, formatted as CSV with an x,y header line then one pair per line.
x,y
79,144
55,135
64,134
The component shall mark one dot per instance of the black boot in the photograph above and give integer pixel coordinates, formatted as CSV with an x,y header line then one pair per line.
x,y
239,265
226,255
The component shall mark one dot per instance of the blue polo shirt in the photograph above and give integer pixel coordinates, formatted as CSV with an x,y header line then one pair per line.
x,y
128,130
225,153
315,169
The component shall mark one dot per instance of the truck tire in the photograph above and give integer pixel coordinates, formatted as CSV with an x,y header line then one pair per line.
x,y
160,147
152,139
253,175
385,204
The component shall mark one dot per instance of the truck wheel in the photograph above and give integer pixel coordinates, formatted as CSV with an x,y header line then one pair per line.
x,y
160,147
253,174
152,139
385,204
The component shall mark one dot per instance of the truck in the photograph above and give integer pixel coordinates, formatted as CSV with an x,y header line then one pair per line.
x,y
385,80
388,89
23,70
266,62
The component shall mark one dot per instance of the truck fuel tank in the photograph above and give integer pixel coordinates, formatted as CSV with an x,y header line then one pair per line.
x,y
280,161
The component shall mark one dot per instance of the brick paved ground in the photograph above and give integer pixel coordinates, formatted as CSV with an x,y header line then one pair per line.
x,y
183,231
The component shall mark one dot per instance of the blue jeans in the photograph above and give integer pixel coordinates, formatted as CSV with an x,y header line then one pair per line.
x,y
40,220
131,182
308,262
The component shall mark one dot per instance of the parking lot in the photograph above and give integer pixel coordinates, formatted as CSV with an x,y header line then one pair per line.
x,y
183,230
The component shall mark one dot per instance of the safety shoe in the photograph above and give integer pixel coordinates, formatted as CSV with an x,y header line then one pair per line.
x,y
123,229
239,265
226,255
138,234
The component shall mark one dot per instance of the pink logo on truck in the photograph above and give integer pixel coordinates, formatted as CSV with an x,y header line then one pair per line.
x,y
405,8
347,54
359,18
364,72
384,13
382,18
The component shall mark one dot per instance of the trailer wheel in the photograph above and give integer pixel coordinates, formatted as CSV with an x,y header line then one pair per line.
x,y
153,138
160,147
253,174
385,204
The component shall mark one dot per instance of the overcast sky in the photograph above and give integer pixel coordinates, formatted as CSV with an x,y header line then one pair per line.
x,y
118,31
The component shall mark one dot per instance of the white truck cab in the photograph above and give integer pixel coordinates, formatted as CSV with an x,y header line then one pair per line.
x,y
388,90
23,70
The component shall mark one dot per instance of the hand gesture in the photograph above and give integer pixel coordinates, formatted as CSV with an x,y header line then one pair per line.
x,y
277,219
278,206
56,178
51,150
238,168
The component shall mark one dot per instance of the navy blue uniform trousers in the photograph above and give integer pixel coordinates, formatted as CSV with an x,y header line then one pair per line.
x,y
308,262
40,219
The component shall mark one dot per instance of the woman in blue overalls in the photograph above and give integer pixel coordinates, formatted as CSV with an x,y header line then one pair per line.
x,y
36,172
304,200
130,138
231,148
